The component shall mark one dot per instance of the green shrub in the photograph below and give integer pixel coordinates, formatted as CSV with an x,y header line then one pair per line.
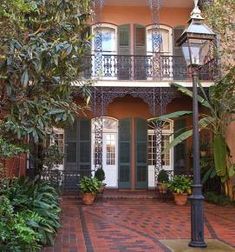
x,y
37,203
15,233
90,185
218,199
180,184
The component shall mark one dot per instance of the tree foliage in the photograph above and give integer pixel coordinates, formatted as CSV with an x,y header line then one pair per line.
x,y
41,48
219,15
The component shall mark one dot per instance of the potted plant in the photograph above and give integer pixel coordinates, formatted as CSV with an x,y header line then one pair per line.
x,y
162,180
180,185
100,175
89,186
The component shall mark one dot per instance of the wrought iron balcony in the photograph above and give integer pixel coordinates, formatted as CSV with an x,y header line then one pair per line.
x,y
158,67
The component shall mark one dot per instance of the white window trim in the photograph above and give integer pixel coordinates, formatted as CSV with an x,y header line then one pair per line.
x,y
170,32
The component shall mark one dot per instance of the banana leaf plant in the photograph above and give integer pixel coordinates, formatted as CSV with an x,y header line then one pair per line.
x,y
219,107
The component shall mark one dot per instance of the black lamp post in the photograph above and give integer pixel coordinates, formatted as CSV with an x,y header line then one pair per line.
x,y
195,42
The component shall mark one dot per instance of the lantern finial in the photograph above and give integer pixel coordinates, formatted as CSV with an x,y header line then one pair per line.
x,y
196,12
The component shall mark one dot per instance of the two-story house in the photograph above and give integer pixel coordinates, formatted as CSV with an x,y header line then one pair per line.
x,y
132,61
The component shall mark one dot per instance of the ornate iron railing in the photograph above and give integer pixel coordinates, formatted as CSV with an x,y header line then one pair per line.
x,y
158,67
63,179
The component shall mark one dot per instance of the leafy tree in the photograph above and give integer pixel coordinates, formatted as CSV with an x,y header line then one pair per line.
x,y
219,15
42,44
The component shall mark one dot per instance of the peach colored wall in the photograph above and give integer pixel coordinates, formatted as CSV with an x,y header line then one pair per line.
x,y
141,15
128,106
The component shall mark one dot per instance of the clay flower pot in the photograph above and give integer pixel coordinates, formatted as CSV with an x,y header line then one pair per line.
x,y
180,198
88,198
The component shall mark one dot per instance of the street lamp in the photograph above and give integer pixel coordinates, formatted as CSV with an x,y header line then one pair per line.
x,y
195,42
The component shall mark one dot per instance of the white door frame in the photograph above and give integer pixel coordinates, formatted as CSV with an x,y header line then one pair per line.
x,y
151,168
111,176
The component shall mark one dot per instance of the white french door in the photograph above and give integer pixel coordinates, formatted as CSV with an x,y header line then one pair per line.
x,y
109,150
110,161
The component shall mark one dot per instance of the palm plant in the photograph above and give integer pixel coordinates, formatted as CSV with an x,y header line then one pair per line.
x,y
219,106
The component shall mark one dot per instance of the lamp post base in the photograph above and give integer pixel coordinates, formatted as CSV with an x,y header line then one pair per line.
x,y
197,244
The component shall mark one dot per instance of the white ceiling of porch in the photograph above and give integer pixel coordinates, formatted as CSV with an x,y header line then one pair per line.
x,y
164,3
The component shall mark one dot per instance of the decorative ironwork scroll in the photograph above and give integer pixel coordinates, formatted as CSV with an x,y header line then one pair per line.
x,y
158,139
157,98
98,5
156,38
98,121
98,130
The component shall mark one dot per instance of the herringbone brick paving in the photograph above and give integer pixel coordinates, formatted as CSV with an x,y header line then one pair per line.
x,y
135,225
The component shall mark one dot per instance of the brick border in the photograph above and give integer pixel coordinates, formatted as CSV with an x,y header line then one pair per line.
x,y
85,231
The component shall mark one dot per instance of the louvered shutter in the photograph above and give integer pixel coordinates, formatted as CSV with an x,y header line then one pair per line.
x,y
141,153
85,147
124,153
140,52
179,150
124,60
179,64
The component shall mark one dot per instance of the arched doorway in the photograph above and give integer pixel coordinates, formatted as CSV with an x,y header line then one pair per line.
x,y
109,149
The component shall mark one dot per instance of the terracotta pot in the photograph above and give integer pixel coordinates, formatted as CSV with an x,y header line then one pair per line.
x,y
162,187
88,198
180,198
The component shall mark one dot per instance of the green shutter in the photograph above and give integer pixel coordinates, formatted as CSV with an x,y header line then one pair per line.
x,y
71,157
140,40
124,60
124,175
177,31
124,39
140,52
71,147
179,150
85,147
179,64
77,152
141,153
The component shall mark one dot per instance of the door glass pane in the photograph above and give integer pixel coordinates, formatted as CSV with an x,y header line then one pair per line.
x,y
152,150
110,149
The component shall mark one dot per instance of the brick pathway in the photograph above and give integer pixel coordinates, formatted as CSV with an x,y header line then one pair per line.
x,y
134,225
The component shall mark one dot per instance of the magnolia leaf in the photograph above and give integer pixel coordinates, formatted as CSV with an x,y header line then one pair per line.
x,y
25,78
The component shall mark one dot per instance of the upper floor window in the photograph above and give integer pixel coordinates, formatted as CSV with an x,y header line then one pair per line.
x,y
163,37
105,38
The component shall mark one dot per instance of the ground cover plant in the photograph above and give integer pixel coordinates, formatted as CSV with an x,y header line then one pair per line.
x,y
29,214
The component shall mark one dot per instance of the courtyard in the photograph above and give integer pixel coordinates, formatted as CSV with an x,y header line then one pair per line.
x,y
137,225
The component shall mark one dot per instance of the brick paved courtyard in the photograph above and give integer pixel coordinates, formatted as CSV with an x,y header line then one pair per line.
x,y
134,225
